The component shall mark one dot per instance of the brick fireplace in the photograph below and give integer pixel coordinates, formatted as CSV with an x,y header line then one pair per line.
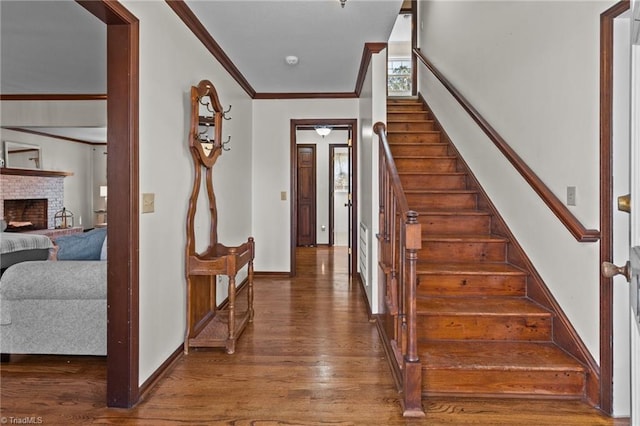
x,y
18,188
32,210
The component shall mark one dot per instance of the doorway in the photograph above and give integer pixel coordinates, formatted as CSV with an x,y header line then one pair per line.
x,y
402,76
123,390
339,183
335,127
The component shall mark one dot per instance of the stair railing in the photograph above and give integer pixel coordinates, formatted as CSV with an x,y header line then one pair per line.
x,y
398,243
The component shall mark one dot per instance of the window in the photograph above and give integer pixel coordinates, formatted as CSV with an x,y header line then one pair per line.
x,y
399,76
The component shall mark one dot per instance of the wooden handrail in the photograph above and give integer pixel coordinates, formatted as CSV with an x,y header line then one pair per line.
x,y
577,229
399,240
381,130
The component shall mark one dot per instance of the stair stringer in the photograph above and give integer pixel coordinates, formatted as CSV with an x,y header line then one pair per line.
x,y
564,334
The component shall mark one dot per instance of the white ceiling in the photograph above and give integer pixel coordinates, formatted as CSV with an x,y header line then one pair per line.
x,y
51,47
57,47
327,39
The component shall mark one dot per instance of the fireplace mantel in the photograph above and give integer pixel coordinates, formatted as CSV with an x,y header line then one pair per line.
x,y
34,172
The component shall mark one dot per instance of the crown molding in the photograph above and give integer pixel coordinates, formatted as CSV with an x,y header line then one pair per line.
x,y
54,97
193,23
308,95
367,52
50,135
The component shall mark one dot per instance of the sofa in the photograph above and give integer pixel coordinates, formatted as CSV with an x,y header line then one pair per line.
x,y
18,247
57,306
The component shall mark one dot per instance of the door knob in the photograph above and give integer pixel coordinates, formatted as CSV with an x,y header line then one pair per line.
x,y
624,203
610,270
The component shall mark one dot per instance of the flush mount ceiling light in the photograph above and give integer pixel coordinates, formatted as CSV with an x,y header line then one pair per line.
x,y
323,130
291,60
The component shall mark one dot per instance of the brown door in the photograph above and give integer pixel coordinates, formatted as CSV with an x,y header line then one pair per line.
x,y
306,193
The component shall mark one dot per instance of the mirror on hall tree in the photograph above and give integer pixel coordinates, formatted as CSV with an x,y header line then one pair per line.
x,y
206,124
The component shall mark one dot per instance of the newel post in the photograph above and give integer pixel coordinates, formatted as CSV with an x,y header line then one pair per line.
x,y
412,368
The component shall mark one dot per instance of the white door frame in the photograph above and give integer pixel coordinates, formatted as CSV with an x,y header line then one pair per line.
x,y
634,254
621,103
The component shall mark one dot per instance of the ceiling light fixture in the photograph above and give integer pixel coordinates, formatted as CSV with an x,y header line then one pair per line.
x,y
342,3
291,60
323,130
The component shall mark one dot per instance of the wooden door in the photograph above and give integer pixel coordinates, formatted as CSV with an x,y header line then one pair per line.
x,y
306,194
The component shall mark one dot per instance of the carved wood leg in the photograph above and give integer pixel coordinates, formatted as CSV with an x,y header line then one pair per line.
x,y
213,294
231,340
187,333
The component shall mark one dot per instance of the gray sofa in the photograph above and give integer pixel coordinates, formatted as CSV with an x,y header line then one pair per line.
x,y
54,307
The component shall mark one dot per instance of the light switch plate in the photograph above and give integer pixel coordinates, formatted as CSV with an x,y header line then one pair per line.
x,y
571,195
148,203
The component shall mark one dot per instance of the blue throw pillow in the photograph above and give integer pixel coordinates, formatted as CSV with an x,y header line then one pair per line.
x,y
85,246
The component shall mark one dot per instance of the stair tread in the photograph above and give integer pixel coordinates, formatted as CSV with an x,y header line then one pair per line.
x,y
412,131
424,157
479,306
429,173
453,213
423,111
417,144
464,237
440,191
406,120
496,355
478,268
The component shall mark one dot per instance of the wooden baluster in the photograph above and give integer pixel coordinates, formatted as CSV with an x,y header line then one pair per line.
x,y
250,289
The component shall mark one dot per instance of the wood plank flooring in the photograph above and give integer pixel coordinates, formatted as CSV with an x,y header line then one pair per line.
x,y
310,357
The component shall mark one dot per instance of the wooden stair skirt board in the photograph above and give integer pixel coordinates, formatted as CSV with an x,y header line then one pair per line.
x,y
478,332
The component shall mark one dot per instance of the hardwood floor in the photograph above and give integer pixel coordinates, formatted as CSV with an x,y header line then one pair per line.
x,y
310,357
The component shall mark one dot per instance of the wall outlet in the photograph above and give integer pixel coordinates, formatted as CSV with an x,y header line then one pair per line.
x,y
571,195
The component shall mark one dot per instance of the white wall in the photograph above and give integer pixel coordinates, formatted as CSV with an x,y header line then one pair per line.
x,y
171,61
272,171
99,179
373,108
54,113
536,80
65,156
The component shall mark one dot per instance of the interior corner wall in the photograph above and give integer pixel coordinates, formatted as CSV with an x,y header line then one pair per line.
x,y
536,80
271,165
373,108
172,60
367,188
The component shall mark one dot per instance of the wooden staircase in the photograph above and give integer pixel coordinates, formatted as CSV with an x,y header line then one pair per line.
x,y
478,332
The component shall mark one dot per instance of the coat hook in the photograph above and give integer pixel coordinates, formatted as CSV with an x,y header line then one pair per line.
x,y
206,104
224,113
224,144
